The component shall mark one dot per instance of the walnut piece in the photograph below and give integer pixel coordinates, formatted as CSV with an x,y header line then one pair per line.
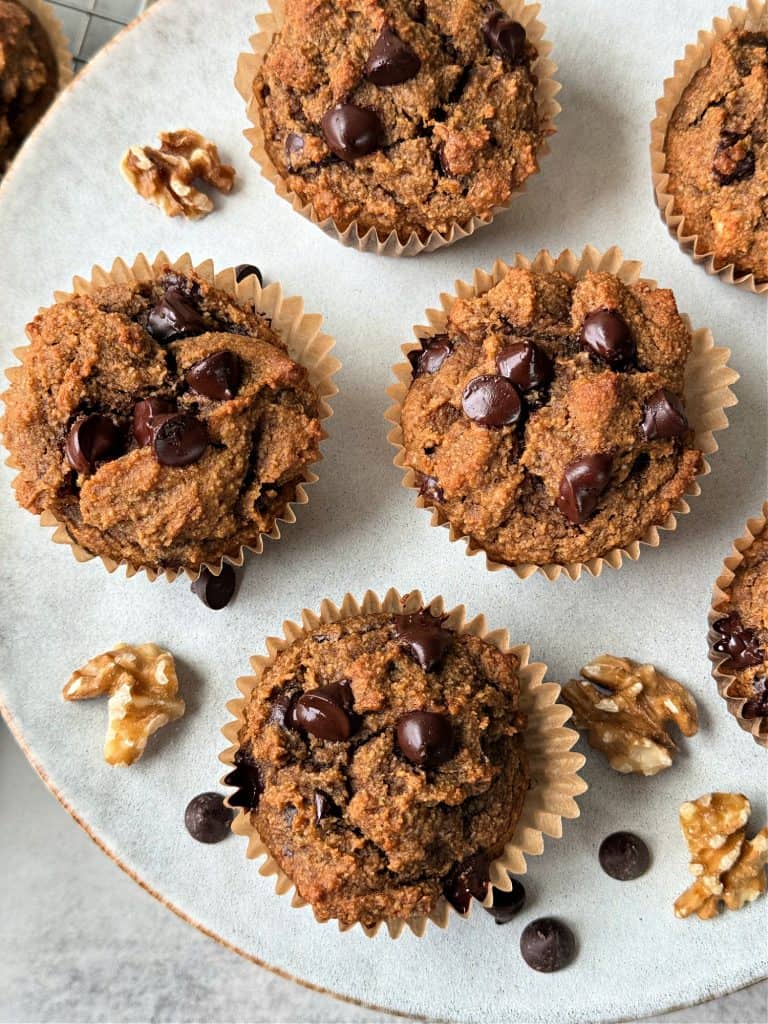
x,y
164,176
628,722
143,689
729,868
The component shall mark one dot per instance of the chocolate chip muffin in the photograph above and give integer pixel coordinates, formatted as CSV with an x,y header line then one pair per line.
x,y
400,115
547,422
29,76
716,152
162,422
380,760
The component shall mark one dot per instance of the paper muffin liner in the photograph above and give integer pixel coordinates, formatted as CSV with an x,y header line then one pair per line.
x,y
307,345
707,393
370,240
697,55
758,727
46,15
553,765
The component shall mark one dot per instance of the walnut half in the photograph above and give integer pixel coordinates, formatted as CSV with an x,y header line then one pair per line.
x,y
625,706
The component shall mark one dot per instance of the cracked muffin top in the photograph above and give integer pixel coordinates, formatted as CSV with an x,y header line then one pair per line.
x,y
28,76
547,423
717,153
381,762
404,115
161,422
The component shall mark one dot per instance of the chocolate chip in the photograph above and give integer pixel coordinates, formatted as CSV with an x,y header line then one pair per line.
x,y
294,143
325,807
244,270
425,738
352,132
215,591
734,160
217,376
492,401
663,416
324,712
174,316
624,856
281,712
430,488
179,439
740,643
757,706
507,904
582,484
505,36
208,818
431,358
246,777
92,440
465,880
547,945
391,61
145,416
605,335
423,637
526,365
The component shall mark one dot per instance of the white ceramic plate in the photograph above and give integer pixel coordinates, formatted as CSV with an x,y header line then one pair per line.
x,y
65,207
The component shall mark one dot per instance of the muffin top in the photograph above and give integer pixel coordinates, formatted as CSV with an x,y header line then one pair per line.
x,y
381,761
405,115
162,422
717,153
547,423
28,76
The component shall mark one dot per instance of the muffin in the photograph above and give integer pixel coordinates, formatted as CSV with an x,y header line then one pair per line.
x,y
400,116
546,419
380,760
161,421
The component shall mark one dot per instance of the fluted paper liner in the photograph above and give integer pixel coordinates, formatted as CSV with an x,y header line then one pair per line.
x,y
307,344
758,727
46,15
697,55
707,394
554,767
352,235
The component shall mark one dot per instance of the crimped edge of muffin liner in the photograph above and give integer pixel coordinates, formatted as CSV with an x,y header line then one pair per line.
x,y
46,15
371,241
301,332
707,393
552,763
697,55
757,727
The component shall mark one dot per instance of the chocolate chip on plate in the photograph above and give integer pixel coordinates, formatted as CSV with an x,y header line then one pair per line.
x,y
624,856
325,712
492,401
505,36
352,132
740,643
92,440
175,316
582,484
215,591
606,336
663,416
244,270
208,818
423,636
526,365
425,738
467,879
246,777
547,945
179,439
391,61
145,417
325,807
217,376
507,904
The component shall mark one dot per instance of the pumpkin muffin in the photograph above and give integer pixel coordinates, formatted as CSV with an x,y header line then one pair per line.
x,y
165,425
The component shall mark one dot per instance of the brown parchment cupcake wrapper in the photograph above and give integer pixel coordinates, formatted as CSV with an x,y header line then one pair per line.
x,y
707,392
46,15
697,55
553,765
370,240
307,344
758,727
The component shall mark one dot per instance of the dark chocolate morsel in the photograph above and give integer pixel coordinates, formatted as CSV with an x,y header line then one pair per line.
x,y
606,336
325,807
733,160
430,359
526,365
663,416
492,401
325,712
217,376
467,879
505,36
352,132
740,643
430,488
391,61
92,440
423,637
208,818
145,414
547,945
175,316
244,270
215,591
179,439
757,706
425,738
246,777
624,856
581,486
281,712
507,905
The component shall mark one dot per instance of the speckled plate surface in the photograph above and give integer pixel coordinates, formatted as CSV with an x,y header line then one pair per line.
x,y
65,207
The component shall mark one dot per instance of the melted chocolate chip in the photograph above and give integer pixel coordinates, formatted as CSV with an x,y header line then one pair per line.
x,y
431,358
526,365
757,706
492,401
145,416
425,738
281,712
547,945
465,880
92,440
175,316
217,376
208,818
293,144
423,637
325,807
352,132
391,61
430,488
215,591
663,416
740,643
507,905
325,712
245,270
179,439
582,484
733,160
246,777
624,856
505,36
606,336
